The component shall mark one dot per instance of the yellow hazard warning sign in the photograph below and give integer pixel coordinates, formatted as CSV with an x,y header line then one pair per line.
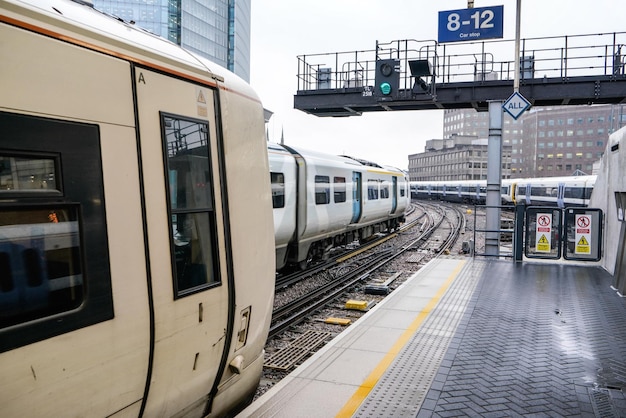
x,y
201,98
582,246
543,244
584,229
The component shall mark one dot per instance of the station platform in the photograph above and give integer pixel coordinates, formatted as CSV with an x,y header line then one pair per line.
x,y
471,337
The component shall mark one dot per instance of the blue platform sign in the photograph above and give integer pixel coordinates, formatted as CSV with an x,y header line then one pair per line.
x,y
471,24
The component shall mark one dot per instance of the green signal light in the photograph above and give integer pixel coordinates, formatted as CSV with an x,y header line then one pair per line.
x,y
385,88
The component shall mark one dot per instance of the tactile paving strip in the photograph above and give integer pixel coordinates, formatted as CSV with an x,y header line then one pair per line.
x,y
289,356
402,389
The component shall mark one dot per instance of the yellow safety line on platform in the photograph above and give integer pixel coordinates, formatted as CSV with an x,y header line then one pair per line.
x,y
370,382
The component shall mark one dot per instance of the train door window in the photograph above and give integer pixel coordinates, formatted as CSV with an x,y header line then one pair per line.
x,y
54,258
190,184
278,190
339,189
322,190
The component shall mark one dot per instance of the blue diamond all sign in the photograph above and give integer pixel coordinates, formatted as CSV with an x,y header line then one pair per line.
x,y
516,105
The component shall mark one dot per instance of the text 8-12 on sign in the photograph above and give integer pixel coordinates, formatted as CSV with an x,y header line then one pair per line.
x,y
471,24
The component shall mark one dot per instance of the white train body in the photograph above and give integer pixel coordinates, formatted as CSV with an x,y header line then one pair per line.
x,y
134,278
553,191
322,200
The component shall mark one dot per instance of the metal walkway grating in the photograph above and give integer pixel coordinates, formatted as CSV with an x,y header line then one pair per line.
x,y
288,357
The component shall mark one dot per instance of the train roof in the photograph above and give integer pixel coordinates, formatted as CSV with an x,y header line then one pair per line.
x,y
590,179
333,159
79,23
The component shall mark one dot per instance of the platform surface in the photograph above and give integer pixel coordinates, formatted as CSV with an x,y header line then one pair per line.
x,y
471,337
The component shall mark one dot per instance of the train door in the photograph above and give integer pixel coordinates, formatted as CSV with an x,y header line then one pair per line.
x,y
356,196
187,239
560,194
394,194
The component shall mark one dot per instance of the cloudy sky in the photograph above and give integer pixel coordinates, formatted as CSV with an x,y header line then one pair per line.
x,y
284,29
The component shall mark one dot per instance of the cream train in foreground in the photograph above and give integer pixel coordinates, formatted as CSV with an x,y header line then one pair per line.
x,y
134,278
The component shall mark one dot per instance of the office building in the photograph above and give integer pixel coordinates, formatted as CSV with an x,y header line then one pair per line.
x,y
216,29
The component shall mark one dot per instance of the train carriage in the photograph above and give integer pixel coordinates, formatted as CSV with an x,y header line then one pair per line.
x,y
134,278
554,191
333,200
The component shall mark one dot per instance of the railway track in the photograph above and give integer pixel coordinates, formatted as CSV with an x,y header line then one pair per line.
x,y
300,325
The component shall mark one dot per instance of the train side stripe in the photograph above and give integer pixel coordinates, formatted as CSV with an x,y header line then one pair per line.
x,y
75,41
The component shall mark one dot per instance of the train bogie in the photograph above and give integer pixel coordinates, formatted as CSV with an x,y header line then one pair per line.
x,y
135,277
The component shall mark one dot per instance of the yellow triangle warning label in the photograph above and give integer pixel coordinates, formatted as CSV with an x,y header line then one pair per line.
x,y
543,240
201,98
583,241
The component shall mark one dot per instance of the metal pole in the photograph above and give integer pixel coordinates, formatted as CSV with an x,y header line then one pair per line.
x,y
517,37
494,170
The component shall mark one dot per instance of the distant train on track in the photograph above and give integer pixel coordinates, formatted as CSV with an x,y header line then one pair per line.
x,y
553,191
135,280
322,201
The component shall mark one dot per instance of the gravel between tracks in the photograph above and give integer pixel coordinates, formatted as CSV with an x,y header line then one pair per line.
x,y
404,266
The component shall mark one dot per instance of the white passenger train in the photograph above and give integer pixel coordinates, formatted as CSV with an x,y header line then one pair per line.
x,y
322,201
553,191
134,278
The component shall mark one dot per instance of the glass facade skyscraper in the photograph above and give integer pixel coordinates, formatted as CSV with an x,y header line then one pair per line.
x,y
216,29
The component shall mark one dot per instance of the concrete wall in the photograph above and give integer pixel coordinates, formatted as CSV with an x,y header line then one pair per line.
x,y
611,179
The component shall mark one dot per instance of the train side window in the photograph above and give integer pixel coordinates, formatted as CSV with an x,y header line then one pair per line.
x,y
322,190
339,189
191,203
574,192
372,190
33,174
40,268
384,190
55,275
278,190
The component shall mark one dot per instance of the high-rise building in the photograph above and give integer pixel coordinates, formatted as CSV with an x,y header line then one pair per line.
x,y
216,29
546,141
